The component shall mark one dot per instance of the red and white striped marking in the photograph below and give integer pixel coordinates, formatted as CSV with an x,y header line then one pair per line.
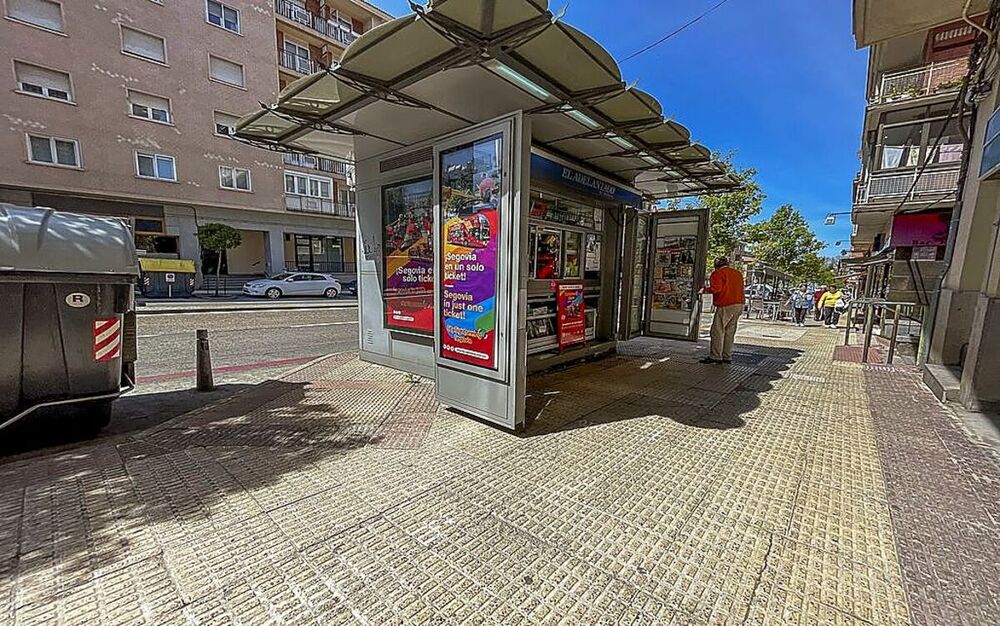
x,y
107,339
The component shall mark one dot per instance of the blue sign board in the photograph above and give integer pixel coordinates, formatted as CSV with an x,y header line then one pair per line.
x,y
559,175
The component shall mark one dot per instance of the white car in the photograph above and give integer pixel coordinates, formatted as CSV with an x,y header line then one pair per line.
x,y
294,284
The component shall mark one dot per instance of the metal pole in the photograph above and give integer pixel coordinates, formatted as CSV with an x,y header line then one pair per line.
x,y
895,331
204,365
869,327
850,323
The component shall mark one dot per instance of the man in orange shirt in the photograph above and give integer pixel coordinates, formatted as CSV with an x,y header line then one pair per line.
x,y
726,286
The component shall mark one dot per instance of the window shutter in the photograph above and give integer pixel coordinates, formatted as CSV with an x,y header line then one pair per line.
x,y
226,71
42,13
143,45
42,77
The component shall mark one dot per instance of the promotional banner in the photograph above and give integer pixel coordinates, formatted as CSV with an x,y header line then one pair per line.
x,y
470,199
572,325
408,244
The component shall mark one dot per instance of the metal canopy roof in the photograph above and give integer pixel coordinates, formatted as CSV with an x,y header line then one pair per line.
x,y
459,62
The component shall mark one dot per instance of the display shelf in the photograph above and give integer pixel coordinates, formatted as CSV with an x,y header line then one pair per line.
x,y
540,317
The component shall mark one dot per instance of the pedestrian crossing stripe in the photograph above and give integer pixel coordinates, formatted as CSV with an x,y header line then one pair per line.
x,y
107,339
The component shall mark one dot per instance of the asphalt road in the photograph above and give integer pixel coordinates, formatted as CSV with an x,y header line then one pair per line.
x,y
248,347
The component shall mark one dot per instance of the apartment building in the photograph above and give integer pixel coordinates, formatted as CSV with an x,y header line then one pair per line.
x,y
124,108
948,215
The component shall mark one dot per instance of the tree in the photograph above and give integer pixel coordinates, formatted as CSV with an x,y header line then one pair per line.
x,y
814,269
730,213
219,238
786,242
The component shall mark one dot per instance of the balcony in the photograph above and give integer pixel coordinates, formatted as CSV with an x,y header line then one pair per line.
x,y
333,27
319,206
296,62
932,79
897,186
322,164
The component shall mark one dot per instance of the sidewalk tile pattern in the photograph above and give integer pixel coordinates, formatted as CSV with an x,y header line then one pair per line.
x,y
786,488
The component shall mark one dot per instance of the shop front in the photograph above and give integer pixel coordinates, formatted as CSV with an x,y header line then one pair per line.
x,y
504,222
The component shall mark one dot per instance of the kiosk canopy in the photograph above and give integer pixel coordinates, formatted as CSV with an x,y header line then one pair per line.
x,y
456,63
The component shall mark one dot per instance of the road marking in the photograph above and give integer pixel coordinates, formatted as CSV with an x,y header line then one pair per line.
x,y
235,310
241,330
226,369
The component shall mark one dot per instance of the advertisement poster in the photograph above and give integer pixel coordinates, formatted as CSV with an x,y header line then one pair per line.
x,y
408,242
572,319
470,201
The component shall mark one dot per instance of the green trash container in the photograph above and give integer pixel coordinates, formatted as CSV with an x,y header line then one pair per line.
x,y
68,329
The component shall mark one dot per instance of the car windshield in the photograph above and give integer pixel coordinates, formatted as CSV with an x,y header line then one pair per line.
x,y
281,276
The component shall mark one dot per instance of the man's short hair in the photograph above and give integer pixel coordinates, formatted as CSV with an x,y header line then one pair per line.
x,y
721,262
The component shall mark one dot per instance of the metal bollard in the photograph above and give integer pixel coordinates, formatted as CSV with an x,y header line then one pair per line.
x,y
204,365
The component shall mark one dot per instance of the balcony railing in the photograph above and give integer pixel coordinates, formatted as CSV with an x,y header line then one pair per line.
x,y
924,81
933,181
322,164
296,62
333,27
322,206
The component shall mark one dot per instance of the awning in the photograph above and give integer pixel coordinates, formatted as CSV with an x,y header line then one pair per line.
x,y
455,63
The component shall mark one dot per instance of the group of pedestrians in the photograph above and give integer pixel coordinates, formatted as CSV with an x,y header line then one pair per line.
x,y
826,304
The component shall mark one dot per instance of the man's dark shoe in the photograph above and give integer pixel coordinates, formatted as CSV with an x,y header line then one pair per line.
x,y
709,359
727,361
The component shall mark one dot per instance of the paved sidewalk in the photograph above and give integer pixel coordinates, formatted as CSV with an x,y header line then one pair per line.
x,y
651,489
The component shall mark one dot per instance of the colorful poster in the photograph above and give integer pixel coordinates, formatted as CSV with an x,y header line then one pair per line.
x,y
572,318
408,242
471,189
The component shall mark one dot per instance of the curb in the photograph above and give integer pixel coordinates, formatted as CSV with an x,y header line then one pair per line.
x,y
235,308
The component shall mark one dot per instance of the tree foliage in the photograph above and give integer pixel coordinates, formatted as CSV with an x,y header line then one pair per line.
x,y
218,237
786,242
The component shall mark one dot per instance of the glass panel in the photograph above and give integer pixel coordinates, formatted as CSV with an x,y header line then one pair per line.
x,y
243,179
140,111
901,146
165,168
408,246
215,13
301,185
950,147
41,149
314,188
571,264
160,115
146,167
289,183
232,19
548,252
66,153
226,175
324,189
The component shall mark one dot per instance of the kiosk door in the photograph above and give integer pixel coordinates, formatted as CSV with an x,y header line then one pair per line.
x,y
678,245
479,318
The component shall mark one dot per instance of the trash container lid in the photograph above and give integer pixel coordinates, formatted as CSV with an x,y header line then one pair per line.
x,y
46,240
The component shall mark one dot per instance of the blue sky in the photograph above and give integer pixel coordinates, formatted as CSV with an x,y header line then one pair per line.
x,y
778,81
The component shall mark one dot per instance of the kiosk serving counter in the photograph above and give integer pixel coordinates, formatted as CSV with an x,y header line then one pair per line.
x,y
504,173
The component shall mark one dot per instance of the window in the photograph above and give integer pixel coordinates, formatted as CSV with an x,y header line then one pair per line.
x,y
225,123
225,71
144,45
153,108
223,16
158,166
236,178
53,151
296,57
312,186
39,81
42,13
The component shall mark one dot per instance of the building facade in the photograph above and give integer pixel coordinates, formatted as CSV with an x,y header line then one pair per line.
x,y
124,108
952,206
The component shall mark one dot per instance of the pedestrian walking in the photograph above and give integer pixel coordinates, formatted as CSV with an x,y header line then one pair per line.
x,y
801,302
726,286
818,310
833,303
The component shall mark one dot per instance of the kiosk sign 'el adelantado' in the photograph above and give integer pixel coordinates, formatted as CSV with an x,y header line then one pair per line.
x,y
470,198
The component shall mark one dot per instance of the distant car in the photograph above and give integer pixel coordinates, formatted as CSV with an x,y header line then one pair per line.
x,y
352,286
294,284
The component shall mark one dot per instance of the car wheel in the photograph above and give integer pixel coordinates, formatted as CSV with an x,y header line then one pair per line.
x,y
331,292
273,293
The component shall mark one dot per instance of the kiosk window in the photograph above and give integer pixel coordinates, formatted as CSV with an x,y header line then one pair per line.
x,y
571,262
548,254
408,245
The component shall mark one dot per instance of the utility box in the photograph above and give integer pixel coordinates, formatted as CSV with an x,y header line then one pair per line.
x,y
66,283
167,278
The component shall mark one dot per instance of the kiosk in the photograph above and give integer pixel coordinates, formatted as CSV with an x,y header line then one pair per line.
x,y
504,179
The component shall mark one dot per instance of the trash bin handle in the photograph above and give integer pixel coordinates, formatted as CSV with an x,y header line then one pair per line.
x,y
129,386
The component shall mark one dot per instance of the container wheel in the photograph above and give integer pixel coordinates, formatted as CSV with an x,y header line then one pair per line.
x,y
95,416
273,293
